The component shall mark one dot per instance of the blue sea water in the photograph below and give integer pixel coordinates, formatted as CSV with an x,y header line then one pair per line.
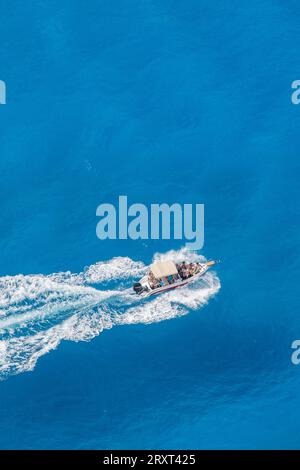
x,y
170,101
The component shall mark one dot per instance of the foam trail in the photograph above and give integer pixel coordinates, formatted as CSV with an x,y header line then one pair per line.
x,y
38,312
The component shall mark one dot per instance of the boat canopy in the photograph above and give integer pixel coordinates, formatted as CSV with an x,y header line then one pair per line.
x,y
163,269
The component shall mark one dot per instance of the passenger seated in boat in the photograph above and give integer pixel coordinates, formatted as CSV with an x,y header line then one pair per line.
x,y
152,281
178,266
181,268
184,273
192,269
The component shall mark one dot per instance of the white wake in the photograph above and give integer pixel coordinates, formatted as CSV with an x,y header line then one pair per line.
x,y
38,312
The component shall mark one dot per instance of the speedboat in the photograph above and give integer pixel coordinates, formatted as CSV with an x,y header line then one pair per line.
x,y
166,275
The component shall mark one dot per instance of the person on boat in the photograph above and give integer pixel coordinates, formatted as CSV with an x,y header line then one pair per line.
x,y
152,281
191,269
184,273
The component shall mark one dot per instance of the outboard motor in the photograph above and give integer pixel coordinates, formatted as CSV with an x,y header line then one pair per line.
x,y
138,288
